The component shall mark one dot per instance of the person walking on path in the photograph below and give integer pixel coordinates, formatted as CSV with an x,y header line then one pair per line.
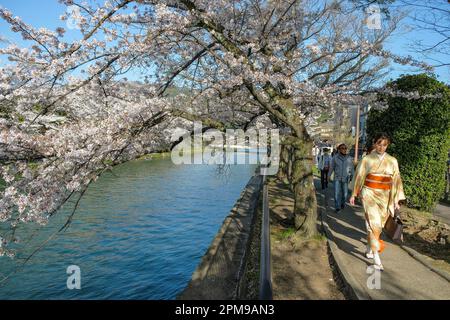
x,y
378,184
324,167
315,152
342,166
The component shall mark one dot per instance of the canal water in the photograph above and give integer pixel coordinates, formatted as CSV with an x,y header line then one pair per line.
x,y
139,233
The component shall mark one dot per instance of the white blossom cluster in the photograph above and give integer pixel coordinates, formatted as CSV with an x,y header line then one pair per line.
x,y
68,114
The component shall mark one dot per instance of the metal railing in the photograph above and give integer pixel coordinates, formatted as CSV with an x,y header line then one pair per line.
x,y
265,276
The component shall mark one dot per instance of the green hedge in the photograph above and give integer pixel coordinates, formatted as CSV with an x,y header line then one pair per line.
x,y
420,132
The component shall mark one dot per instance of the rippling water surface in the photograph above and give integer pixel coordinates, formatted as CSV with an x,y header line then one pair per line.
x,y
139,233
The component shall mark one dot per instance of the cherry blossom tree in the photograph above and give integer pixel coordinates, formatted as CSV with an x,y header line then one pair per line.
x,y
434,18
70,115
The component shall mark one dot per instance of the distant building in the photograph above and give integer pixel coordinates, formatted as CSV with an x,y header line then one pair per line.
x,y
363,123
341,117
322,131
326,131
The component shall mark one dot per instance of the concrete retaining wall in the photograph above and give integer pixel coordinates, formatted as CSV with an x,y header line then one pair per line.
x,y
221,268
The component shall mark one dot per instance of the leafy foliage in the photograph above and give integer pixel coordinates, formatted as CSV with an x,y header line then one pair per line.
x,y
420,133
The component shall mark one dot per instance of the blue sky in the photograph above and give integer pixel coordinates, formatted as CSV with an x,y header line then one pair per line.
x,y
45,13
38,13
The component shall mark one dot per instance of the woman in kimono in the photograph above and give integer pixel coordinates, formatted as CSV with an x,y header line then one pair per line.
x,y
378,184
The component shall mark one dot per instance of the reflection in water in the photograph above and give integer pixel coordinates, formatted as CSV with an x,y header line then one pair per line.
x,y
139,233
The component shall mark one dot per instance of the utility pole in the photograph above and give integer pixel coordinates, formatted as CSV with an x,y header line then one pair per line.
x,y
357,135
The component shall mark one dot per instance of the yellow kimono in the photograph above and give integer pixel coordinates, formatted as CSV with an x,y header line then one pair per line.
x,y
377,182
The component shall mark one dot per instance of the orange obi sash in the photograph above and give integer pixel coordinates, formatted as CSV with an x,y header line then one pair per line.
x,y
378,181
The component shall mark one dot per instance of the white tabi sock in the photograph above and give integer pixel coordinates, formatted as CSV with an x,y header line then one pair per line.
x,y
376,258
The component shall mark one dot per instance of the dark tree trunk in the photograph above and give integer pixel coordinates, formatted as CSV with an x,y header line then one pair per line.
x,y
289,163
296,162
301,178
283,171
305,208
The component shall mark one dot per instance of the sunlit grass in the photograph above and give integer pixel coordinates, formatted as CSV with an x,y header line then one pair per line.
x,y
287,233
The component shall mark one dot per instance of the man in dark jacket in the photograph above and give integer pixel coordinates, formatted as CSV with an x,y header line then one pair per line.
x,y
342,166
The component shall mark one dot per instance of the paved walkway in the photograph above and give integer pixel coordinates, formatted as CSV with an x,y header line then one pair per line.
x,y
403,278
442,212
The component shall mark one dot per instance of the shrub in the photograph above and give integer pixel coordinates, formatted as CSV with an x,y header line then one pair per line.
x,y
420,132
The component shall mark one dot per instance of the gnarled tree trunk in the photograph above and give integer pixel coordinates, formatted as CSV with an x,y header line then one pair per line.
x,y
300,144
283,171
301,182
305,208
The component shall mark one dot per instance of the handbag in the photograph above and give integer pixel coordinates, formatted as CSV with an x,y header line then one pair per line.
x,y
394,227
